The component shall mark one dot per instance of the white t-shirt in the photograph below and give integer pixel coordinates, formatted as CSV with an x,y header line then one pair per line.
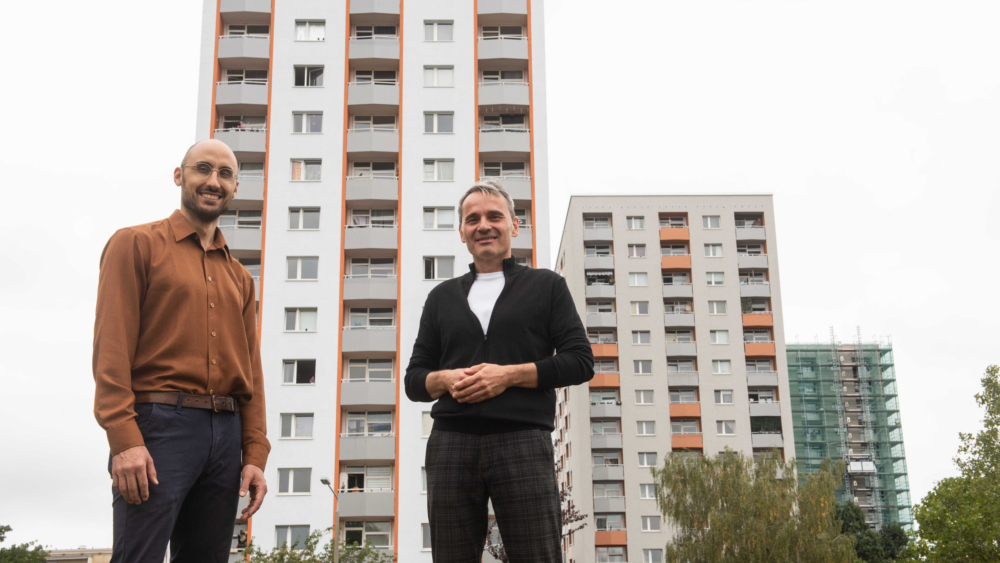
x,y
483,296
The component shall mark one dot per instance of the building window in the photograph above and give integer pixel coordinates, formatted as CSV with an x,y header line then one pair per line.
x,y
715,278
439,267
642,367
647,491
599,336
310,30
299,372
439,76
503,122
439,122
372,268
610,554
637,279
673,250
637,251
358,532
676,278
439,170
674,222
505,170
428,424
292,536
599,250
373,170
640,307
713,250
362,318
373,123
609,522
241,76
683,335
605,366
643,397
303,268
724,397
372,370
369,424
303,219
423,480
723,367
596,307
307,170
647,459
374,218
439,218
380,77
240,30
652,556
645,428
650,523
718,336
680,366
683,396
685,426
425,530
502,32
307,123
296,426
522,217
716,307
503,76
710,221
294,481
309,76
635,223
251,171
300,320
242,219
438,31
725,427
640,337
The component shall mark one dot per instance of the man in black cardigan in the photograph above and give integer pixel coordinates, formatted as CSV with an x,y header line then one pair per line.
x,y
484,351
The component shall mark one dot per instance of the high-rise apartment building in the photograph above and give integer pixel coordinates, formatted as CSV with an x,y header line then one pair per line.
x,y
358,124
681,298
845,406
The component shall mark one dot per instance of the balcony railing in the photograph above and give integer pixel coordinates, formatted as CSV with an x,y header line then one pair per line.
x,y
374,226
604,342
391,380
750,254
366,490
605,433
247,36
366,434
662,254
492,82
241,129
505,177
745,341
374,128
371,276
253,81
679,283
370,327
376,82
757,312
685,432
750,281
607,465
500,129
609,496
684,401
619,403
239,226
375,176
504,38
611,529
250,176
596,282
367,37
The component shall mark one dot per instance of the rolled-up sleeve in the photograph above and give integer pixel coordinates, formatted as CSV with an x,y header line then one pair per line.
x,y
573,362
256,446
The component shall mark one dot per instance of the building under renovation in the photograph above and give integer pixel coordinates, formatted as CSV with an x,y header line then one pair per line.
x,y
845,406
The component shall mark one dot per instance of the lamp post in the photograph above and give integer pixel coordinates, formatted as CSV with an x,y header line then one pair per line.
x,y
336,518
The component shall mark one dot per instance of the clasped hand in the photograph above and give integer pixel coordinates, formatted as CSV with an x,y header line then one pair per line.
x,y
478,383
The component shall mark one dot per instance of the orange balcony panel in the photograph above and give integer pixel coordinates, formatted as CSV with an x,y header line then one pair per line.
x,y
610,538
605,350
689,410
673,234
604,381
675,262
683,441
758,319
759,348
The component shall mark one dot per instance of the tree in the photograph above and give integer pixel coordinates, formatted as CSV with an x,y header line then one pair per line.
x,y
869,546
349,553
959,519
729,509
894,540
20,553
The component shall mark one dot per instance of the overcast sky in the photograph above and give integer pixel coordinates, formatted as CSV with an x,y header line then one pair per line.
x,y
874,124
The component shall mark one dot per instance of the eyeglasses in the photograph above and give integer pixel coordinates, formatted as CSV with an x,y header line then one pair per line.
x,y
203,171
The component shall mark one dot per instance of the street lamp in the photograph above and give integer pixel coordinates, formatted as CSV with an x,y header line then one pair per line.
x,y
336,518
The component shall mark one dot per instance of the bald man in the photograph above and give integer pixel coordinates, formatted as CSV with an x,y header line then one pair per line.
x,y
179,388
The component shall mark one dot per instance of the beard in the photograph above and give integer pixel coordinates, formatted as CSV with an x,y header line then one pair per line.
x,y
189,199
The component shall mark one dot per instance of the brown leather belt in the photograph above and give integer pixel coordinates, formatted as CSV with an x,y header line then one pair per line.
x,y
215,403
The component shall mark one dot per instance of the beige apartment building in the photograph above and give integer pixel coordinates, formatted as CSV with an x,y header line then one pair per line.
x,y
681,299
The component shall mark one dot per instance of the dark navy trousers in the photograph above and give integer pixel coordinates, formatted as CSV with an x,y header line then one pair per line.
x,y
197,455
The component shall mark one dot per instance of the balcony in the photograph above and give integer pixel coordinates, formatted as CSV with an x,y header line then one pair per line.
x,y
244,51
247,240
604,410
765,409
376,53
605,350
609,472
248,11
599,262
604,381
675,262
250,189
600,234
685,410
759,348
499,97
384,7
610,538
367,503
371,238
676,290
762,440
682,379
609,504
372,144
762,379
367,393
369,339
758,319
247,144
367,448
369,98
681,349
370,288
504,144
238,98
605,441
506,53
523,239
602,320
674,234
686,441
678,319
752,261
368,191
755,289
600,290
750,233
503,7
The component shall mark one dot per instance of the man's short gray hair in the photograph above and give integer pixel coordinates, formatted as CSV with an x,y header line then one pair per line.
x,y
487,187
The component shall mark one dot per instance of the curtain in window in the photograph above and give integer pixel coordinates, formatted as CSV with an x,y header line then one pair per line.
x,y
446,170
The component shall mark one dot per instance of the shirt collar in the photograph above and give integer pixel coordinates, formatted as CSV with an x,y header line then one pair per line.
x,y
508,263
182,229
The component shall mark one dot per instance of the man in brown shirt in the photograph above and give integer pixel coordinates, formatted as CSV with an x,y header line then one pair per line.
x,y
178,374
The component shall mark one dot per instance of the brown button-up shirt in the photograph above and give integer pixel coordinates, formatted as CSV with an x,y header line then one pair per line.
x,y
172,316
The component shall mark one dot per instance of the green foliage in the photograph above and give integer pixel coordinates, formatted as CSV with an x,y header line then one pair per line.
x,y
727,509
20,553
869,547
852,519
894,539
352,553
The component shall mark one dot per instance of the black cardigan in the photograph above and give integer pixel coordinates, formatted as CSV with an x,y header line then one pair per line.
x,y
533,316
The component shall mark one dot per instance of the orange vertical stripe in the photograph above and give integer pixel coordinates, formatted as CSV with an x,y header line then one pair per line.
x,y
531,134
267,175
215,67
475,78
399,255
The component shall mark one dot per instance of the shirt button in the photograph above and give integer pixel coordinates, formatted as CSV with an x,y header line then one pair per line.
x,y
213,333
209,278
212,305
214,362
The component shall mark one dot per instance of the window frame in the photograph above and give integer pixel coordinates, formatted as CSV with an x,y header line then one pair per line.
x,y
640,250
435,267
713,308
713,336
706,222
304,163
710,249
357,363
436,224
293,424
434,25
637,337
720,396
644,459
435,69
638,276
720,364
652,519
645,428
635,306
437,169
298,319
308,25
295,371
301,215
631,220
307,71
640,364
721,427
304,122
298,268
434,115
291,482
715,279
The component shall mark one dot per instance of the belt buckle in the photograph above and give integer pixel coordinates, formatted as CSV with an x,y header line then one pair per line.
x,y
215,405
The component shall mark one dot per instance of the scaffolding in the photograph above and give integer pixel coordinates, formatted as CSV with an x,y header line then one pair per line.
x,y
845,406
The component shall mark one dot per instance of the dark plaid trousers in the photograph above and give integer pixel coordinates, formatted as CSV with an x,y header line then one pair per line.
x,y
513,469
